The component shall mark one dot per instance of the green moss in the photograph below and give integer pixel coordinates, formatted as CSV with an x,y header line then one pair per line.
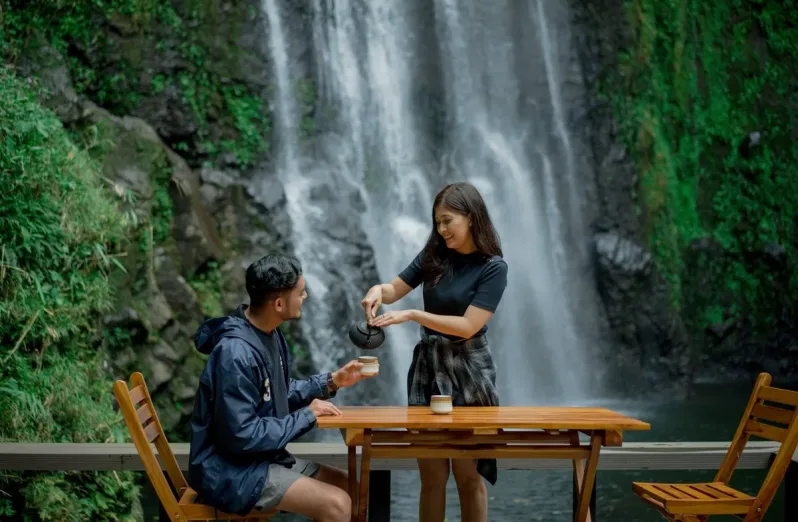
x,y
699,78
237,110
60,234
117,149
208,286
231,117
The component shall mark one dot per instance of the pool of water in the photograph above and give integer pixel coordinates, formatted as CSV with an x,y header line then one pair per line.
x,y
711,414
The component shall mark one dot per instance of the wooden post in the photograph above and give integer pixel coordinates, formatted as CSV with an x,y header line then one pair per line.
x,y
380,495
575,499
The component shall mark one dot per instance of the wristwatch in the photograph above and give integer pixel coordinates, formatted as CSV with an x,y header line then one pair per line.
x,y
331,386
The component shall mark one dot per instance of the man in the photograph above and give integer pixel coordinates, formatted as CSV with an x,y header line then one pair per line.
x,y
247,408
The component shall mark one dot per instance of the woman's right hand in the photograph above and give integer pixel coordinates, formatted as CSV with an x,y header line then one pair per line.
x,y
372,301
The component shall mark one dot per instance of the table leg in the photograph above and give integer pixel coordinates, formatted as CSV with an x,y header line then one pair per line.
x,y
365,468
352,473
586,478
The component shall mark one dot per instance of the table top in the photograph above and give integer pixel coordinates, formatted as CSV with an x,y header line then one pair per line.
x,y
470,417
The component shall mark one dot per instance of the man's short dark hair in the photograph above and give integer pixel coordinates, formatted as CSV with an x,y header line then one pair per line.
x,y
271,275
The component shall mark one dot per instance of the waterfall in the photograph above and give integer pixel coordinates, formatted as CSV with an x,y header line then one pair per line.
x,y
322,236
413,95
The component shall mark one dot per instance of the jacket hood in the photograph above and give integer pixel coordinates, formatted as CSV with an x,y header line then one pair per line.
x,y
211,331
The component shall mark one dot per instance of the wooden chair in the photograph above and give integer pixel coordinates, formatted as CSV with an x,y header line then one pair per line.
x,y
775,421
145,428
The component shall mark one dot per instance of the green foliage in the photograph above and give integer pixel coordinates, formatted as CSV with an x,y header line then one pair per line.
x,y
699,78
65,23
208,286
161,206
231,118
60,235
60,231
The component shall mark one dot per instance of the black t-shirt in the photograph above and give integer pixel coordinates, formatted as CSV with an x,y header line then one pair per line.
x,y
474,279
272,344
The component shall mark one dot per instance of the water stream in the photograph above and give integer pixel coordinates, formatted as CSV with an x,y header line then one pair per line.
x,y
417,94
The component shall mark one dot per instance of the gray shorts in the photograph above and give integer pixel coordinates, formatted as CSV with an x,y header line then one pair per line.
x,y
281,478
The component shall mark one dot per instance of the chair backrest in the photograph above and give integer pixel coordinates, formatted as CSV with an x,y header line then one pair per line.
x,y
145,428
771,415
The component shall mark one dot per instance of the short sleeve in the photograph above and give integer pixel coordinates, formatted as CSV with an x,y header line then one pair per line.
x,y
412,275
491,285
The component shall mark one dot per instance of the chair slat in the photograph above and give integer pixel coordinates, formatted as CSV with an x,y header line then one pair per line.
x,y
151,431
693,492
779,395
137,395
669,491
765,431
773,414
725,490
144,413
708,491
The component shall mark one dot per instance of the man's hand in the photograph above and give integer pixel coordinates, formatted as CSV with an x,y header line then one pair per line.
x,y
322,408
349,374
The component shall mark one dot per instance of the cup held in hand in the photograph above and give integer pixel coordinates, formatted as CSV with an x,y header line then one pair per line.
x,y
441,404
371,365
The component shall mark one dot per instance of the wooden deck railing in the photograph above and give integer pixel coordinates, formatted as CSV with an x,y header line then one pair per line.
x,y
631,456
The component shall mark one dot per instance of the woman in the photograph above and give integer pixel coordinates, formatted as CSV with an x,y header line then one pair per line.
x,y
463,277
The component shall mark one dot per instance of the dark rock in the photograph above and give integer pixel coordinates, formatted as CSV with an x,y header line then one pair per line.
x,y
721,330
171,115
775,256
138,157
181,297
165,352
159,312
194,231
651,338
159,370
41,60
622,257
127,319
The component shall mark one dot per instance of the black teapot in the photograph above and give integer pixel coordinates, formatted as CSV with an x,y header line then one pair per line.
x,y
365,336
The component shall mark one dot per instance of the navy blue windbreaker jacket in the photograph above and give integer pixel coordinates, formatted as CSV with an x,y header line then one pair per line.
x,y
235,434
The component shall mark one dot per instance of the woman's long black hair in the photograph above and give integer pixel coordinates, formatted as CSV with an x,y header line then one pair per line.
x,y
464,199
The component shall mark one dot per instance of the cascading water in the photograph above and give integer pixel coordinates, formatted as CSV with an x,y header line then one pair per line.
x,y
319,233
416,94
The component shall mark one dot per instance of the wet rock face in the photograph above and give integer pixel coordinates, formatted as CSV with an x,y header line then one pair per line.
x,y
196,230
649,345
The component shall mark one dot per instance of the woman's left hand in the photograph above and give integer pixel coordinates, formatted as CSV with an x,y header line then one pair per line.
x,y
393,317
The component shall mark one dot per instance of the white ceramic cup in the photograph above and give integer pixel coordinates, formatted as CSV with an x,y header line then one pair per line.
x,y
441,404
371,365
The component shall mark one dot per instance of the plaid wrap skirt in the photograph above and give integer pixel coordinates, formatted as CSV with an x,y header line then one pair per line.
x,y
463,369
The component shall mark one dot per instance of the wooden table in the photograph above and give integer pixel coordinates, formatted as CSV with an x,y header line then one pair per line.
x,y
479,432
